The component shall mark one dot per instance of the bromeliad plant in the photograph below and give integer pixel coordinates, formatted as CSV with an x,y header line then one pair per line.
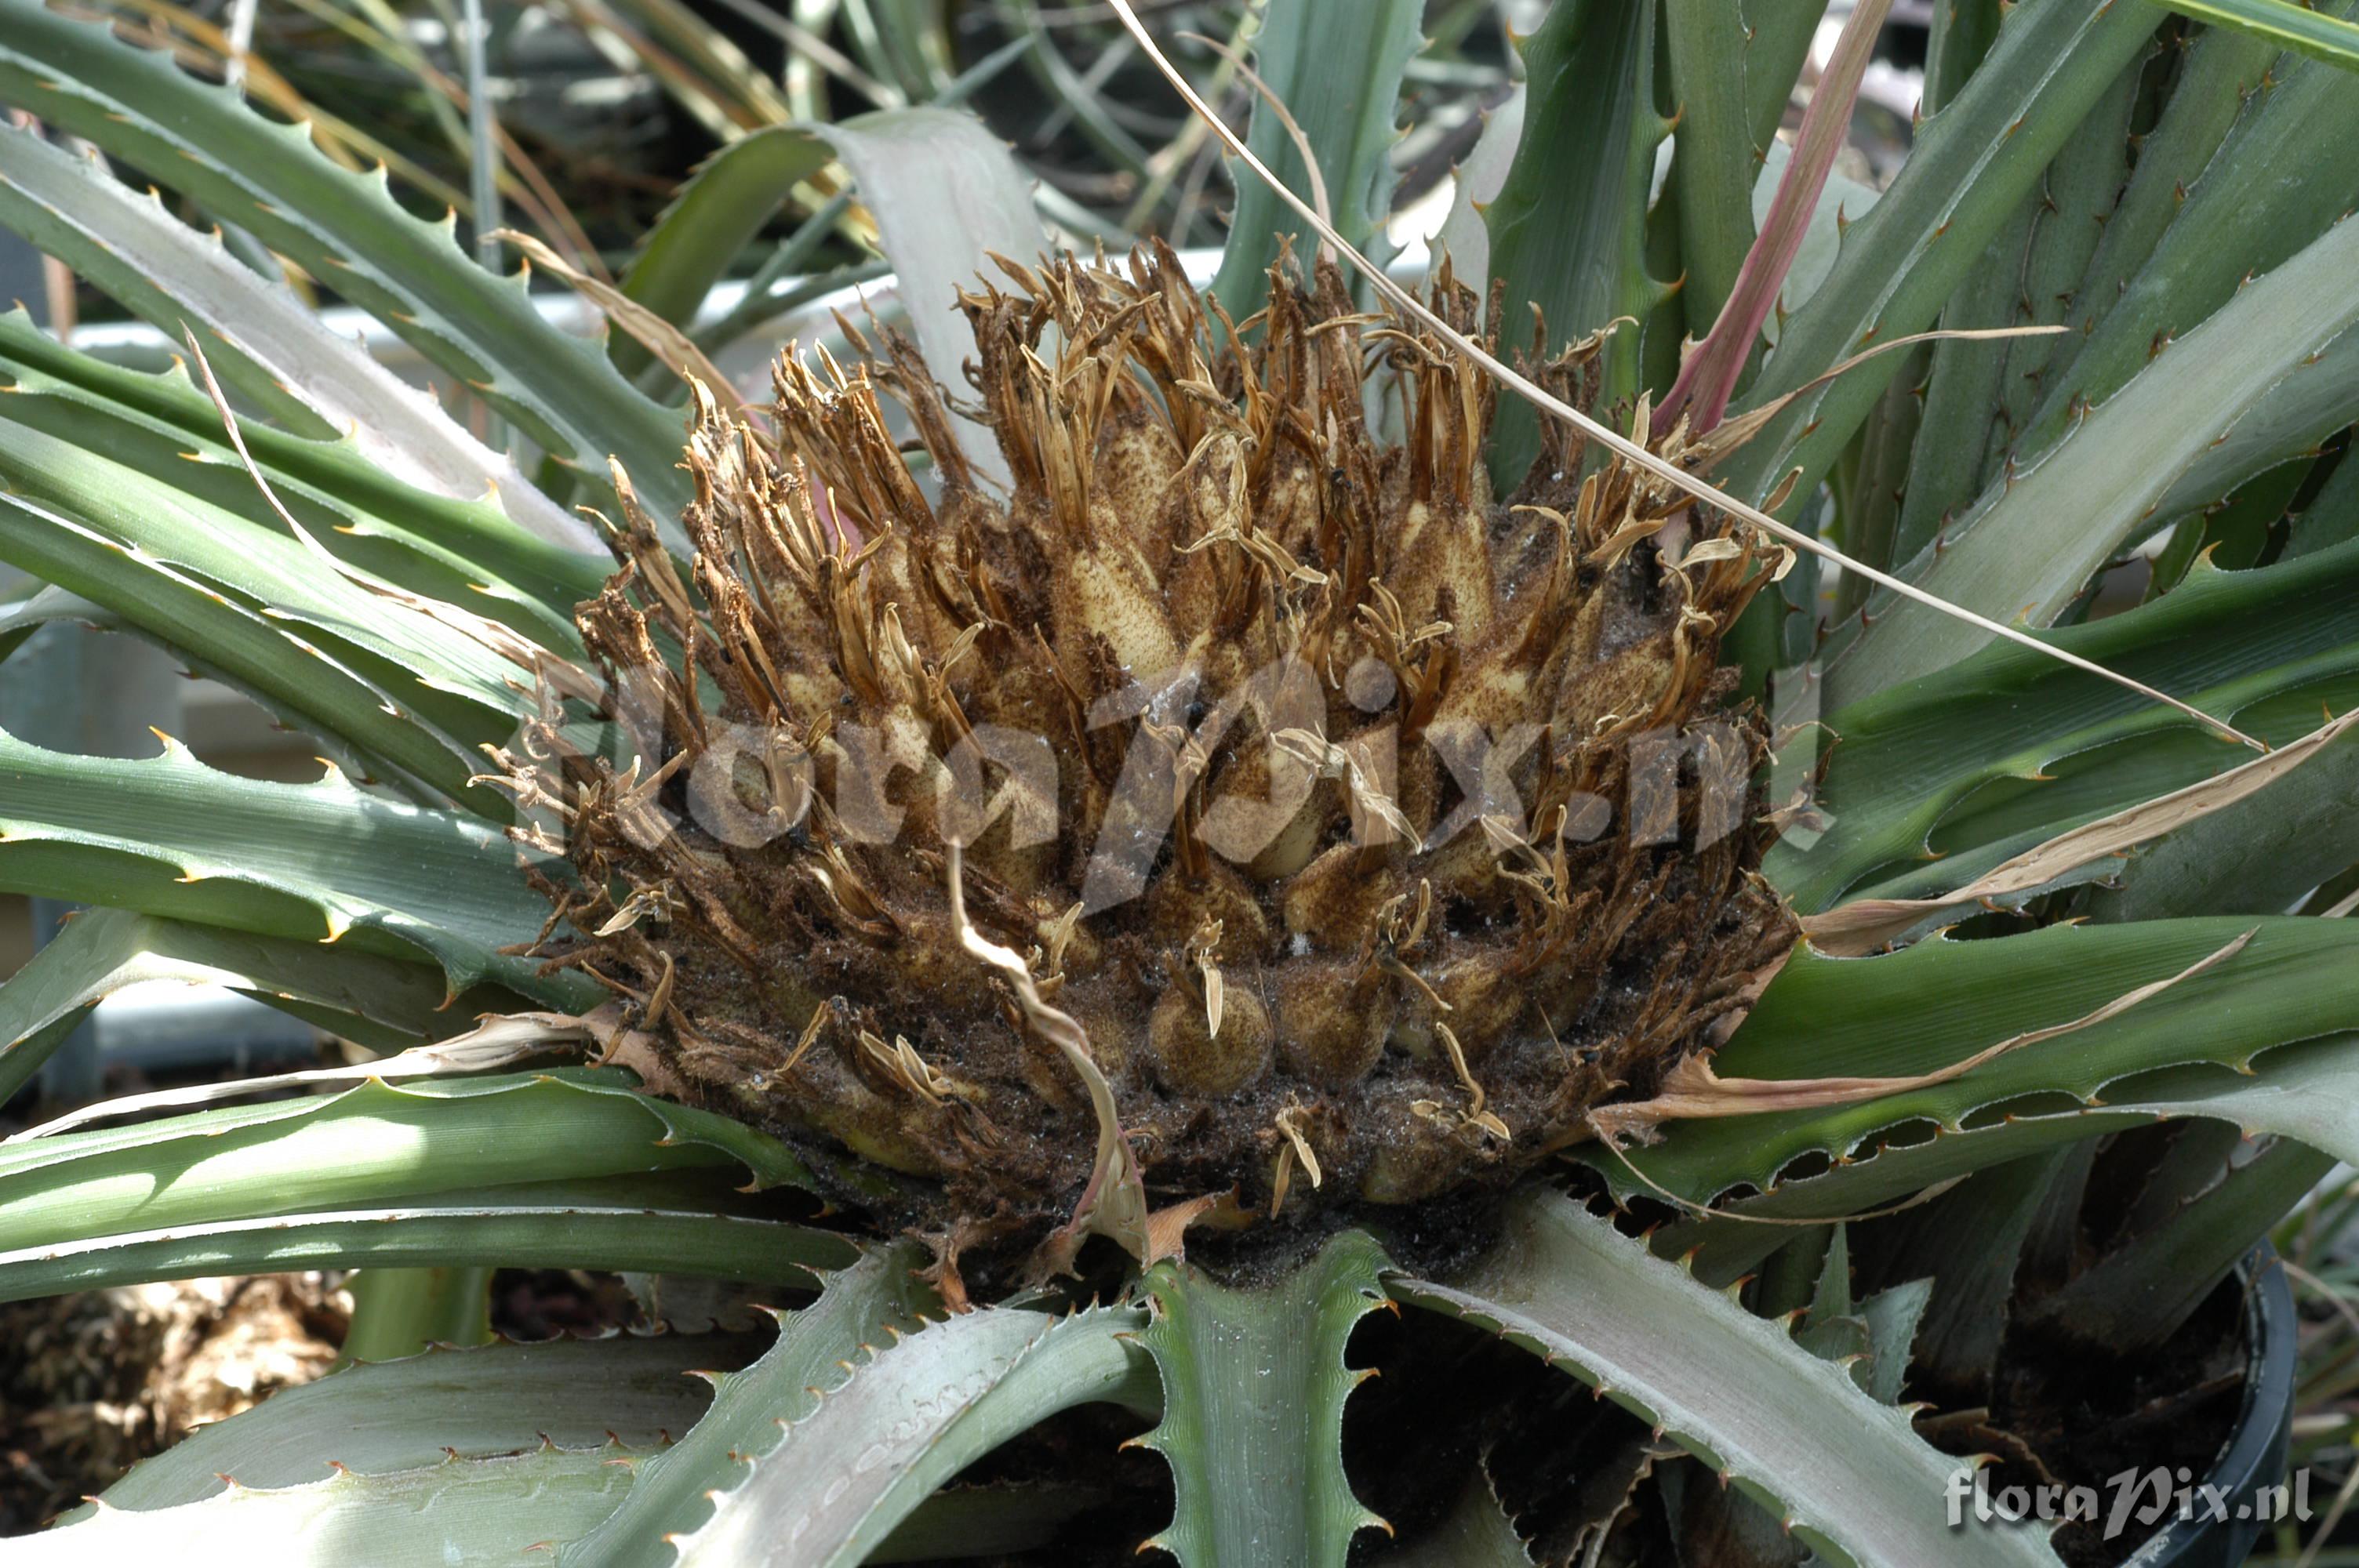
x,y
1245,791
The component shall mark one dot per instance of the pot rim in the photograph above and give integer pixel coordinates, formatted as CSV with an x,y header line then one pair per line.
x,y
2255,1453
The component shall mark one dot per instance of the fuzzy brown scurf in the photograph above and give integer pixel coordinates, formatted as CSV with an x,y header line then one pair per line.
x,y
1372,829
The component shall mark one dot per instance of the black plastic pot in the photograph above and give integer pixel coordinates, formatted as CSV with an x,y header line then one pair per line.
x,y
2254,1454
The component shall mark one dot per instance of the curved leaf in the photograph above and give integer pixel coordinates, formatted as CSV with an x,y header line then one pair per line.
x,y
2241,173
495,1510
717,213
2271,373
494,1231
100,951
945,193
1338,72
1971,168
902,1423
1934,782
2143,1290
50,606
373,1144
234,551
1257,1461
2257,858
876,1298
1729,1243
266,342
1976,394
169,836
1936,1003
373,504
2303,1091
346,229
1848,1475
639,1390
355,692
2281,21
1476,1533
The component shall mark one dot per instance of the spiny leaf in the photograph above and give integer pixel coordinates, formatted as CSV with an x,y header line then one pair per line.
x,y
1970,169
902,1423
2217,88
1973,390
2303,1091
2271,373
2140,1292
405,537
1477,1532
403,1424
322,861
1738,1393
232,550
1257,1460
488,1511
538,1225
101,951
2297,27
51,606
265,340
1968,1244
496,553
1723,1246
2259,857
344,228
1891,1317
1463,237
1932,783
1715,169
411,696
375,1144
874,1300
410,1414
2237,178
1834,1017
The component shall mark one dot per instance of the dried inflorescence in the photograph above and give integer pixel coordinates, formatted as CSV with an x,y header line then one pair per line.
x,y
1371,830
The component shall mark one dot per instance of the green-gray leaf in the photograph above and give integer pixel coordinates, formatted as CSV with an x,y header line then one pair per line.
x,y
264,341
1936,1004
1850,1476
874,1300
373,1144
902,1423
2271,373
1338,72
347,228
321,862
1257,1461
101,951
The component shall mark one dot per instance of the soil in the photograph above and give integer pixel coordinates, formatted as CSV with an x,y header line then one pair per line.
x,y
2085,1418
91,1384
